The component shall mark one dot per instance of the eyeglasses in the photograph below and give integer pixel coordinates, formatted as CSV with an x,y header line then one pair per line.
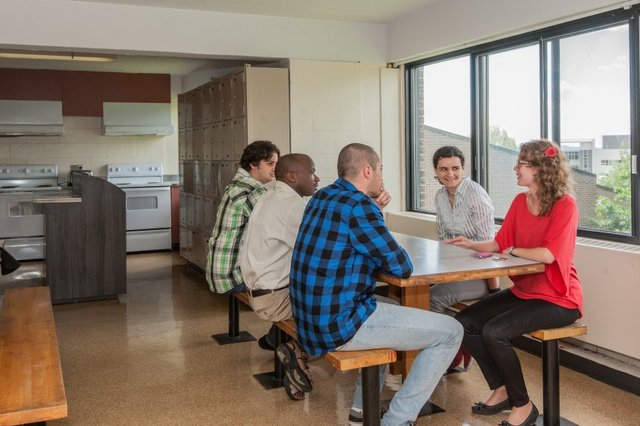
x,y
522,163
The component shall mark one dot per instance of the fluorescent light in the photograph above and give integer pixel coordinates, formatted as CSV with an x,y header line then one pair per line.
x,y
56,56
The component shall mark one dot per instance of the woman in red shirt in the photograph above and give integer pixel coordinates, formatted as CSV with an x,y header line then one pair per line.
x,y
541,225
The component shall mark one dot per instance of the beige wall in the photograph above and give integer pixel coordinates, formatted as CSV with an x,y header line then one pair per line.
x,y
447,25
162,31
332,105
337,103
83,144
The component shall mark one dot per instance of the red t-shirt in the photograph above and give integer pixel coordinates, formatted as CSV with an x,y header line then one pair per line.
x,y
557,232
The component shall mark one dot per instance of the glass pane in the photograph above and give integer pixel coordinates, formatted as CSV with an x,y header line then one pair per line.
x,y
513,98
595,125
441,117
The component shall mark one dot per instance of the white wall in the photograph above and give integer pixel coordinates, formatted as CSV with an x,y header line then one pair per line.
x,y
453,23
332,105
95,26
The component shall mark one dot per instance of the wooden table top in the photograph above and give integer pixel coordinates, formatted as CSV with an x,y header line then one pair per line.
x,y
31,387
437,262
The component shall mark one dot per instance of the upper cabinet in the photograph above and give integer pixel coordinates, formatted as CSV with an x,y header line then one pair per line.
x,y
125,87
82,93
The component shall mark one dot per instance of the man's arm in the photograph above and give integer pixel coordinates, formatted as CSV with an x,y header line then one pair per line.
x,y
372,238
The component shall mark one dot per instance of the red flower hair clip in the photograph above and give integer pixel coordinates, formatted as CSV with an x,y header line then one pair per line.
x,y
551,152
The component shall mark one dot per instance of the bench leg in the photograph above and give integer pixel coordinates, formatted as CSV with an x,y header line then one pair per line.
x,y
278,371
370,396
551,386
234,335
274,379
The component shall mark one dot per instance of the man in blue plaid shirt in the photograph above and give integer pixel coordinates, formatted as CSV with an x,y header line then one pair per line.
x,y
342,244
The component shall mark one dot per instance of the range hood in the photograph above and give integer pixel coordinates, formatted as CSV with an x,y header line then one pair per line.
x,y
136,119
40,118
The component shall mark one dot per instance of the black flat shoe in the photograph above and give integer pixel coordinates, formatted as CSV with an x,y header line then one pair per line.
x,y
264,344
529,421
489,410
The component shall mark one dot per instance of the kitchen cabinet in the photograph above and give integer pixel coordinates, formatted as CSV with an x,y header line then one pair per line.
x,y
83,92
85,244
217,121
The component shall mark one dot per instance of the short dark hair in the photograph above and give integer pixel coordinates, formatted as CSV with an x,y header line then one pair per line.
x,y
353,157
447,152
256,152
288,163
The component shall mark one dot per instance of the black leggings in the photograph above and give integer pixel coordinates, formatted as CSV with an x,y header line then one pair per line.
x,y
491,323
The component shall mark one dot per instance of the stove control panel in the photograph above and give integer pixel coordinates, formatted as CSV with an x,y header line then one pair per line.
x,y
30,171
134,170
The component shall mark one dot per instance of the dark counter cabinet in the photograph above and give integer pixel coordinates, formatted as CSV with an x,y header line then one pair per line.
x,y
85,252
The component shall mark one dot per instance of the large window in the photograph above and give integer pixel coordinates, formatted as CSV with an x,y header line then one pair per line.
x,y
573,83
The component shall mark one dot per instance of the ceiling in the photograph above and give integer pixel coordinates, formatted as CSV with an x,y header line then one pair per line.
x,y
132,63
365,11
372,11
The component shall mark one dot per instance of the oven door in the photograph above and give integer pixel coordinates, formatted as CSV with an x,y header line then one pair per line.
x,y
19,217
148,208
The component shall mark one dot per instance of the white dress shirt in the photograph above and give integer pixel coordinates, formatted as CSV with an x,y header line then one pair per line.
x,y
471,214
265,256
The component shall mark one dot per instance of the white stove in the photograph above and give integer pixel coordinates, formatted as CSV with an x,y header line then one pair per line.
x,y
28,178
136,175
22,221
148,201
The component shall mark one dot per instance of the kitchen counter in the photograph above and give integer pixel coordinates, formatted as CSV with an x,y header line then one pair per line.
x,y
54,197
85,244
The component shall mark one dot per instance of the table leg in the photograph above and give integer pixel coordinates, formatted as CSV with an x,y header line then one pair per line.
x,y
414,297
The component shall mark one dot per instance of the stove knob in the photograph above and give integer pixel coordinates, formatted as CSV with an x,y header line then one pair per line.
x,y
27,171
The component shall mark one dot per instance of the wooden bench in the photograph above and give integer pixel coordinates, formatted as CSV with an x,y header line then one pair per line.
x,y
234,335
550,364
31,386
368,361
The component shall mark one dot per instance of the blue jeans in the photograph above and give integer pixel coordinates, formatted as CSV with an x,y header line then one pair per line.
x,y
436,336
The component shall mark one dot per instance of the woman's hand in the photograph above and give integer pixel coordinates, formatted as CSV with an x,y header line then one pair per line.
x,y
464,242
460,241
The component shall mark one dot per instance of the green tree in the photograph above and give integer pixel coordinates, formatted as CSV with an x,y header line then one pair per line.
x,y
614,214
500,137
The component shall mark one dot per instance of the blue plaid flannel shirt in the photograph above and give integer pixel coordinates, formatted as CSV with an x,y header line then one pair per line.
x,y
342,243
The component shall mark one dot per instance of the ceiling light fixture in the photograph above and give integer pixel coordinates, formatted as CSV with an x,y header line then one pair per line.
x,y
56,56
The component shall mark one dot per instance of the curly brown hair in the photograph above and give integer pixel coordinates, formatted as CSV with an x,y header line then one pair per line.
x,y
554,173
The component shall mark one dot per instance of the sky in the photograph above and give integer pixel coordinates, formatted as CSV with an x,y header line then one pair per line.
x,y
594,83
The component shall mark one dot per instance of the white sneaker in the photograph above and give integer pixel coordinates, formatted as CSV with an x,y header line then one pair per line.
x,y
393,381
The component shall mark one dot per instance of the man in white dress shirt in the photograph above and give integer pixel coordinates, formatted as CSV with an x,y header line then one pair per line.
x,y
265,256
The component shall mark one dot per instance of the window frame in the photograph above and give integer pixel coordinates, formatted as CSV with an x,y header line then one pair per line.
x,y
479,143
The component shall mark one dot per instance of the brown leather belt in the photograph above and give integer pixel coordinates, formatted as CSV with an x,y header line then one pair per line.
x,y
258,293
